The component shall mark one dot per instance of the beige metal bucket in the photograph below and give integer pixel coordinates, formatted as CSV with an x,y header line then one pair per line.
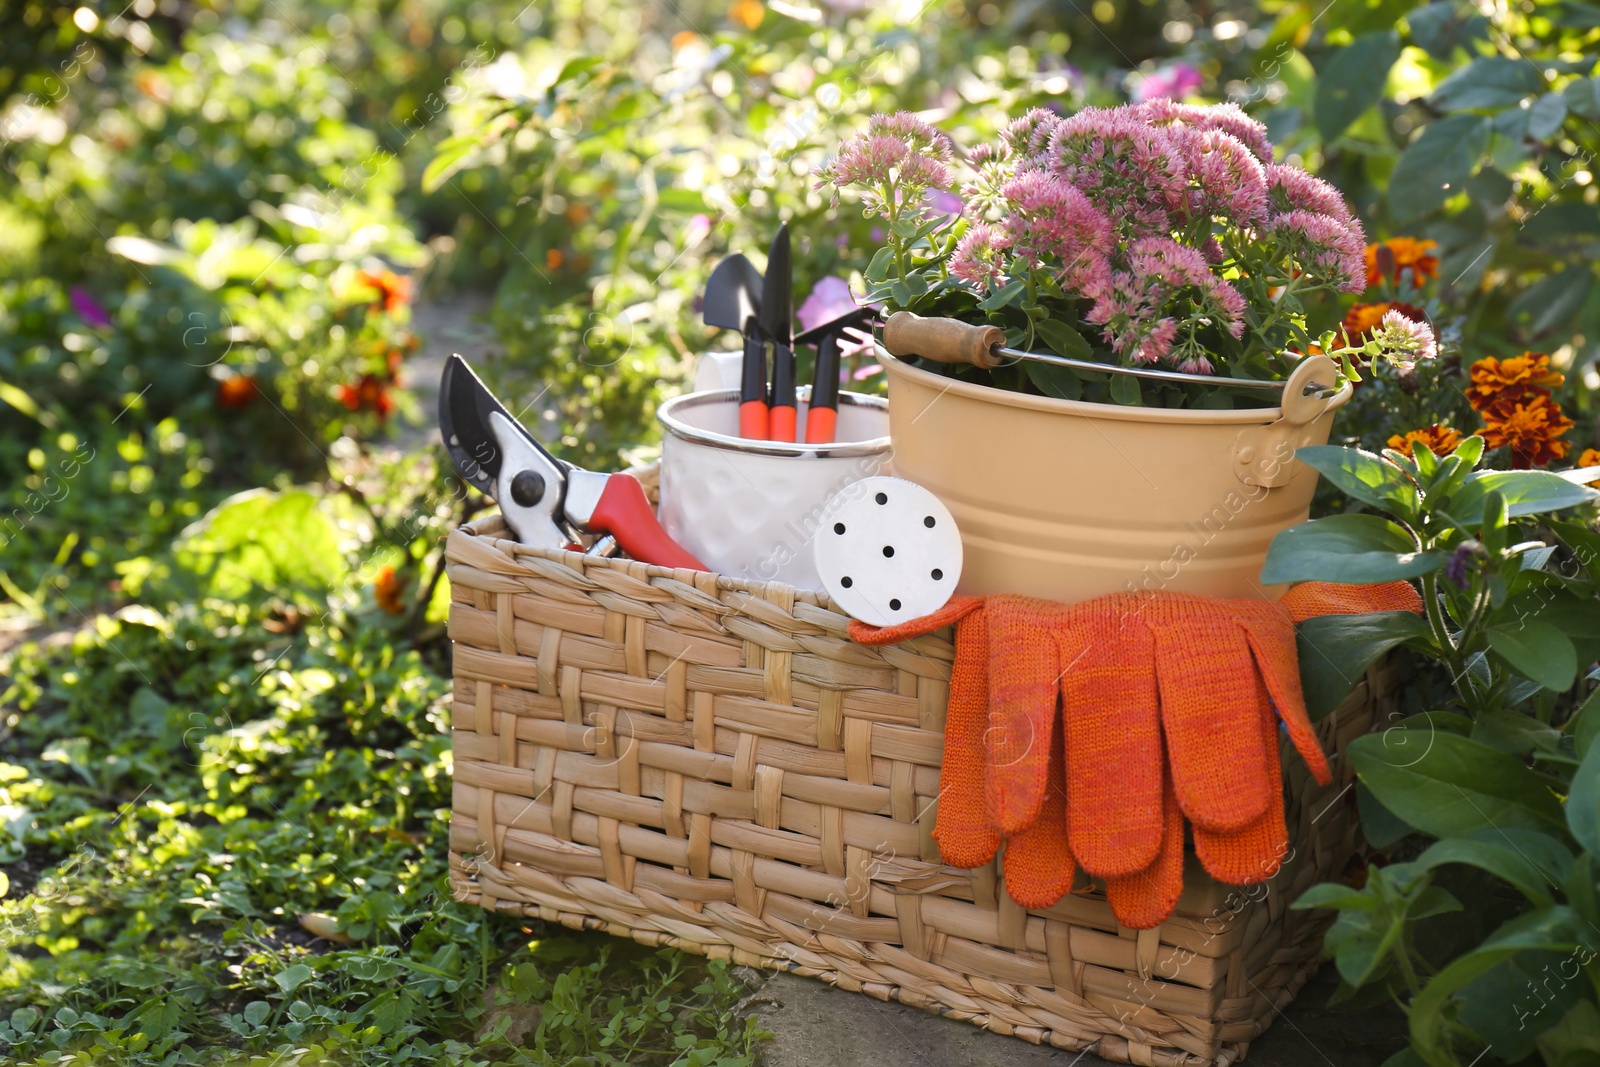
x,y
1067,500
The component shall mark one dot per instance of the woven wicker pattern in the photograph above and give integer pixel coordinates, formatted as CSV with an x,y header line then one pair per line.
x,y
695,761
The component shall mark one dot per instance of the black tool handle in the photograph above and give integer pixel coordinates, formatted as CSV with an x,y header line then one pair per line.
x,y
782,415
753,385
822,418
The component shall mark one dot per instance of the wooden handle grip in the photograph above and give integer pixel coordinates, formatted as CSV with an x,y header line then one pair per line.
x,y
944,340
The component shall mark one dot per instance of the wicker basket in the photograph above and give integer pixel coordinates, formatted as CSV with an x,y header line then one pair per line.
x,y
690,760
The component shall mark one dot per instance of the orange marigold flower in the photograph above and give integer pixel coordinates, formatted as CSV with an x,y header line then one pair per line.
x,y
1591,458
683,39
1409,254
747,13
1440,440
1503,383
389,589
236,392
1531,428
371,393
394,290
553,259
1364,318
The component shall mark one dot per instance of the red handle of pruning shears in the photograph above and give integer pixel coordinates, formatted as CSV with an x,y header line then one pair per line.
x,y
623,512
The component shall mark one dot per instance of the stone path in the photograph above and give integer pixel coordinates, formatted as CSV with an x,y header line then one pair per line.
x,y
819,1026
451,322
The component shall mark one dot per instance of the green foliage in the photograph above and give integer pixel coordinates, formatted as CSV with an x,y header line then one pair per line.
x,y
181,784
236,729
1505,780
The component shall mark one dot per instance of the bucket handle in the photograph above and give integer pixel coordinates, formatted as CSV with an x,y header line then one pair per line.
x,y
1264,455
954,341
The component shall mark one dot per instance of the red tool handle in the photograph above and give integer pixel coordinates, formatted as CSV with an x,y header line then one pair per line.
x,y
781,423
623,512
753,420
820,425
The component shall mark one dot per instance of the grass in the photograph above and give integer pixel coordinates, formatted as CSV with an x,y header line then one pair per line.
x,y
223,839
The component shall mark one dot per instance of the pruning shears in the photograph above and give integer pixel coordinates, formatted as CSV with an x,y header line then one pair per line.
x,y
547,502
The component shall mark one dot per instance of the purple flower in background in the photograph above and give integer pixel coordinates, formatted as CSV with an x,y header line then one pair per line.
x,y
1461,561
830,298
88,308
1174,83
940,202
697,229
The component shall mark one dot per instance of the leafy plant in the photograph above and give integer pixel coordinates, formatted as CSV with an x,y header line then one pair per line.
x,y
1504,779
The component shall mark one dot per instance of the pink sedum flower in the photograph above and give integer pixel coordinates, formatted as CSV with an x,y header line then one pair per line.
x,y
898,148
980,257
1225,118
1030,135
1048,219
1225,177
866,161
1292,189
1158,342
1405,341
1171,82
1331,250
1162,274
1118,160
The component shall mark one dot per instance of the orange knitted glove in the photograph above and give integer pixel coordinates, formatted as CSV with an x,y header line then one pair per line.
x,y
1252,853
1145,898
1211,708
1311,599
1038,864
1113,741
1022,708
1169,708
962,827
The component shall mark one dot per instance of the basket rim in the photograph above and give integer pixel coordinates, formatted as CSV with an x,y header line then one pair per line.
x,y
493,528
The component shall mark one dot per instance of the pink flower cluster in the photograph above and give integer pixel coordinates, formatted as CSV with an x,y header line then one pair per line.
x,y
1161,277
1052,221
1107,197
1157,214
979,260
899,151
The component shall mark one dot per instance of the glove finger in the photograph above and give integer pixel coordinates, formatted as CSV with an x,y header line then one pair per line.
x,y
1210,710
1254,852
1143,900
1111,720
1038,865
961,824
1308,600
1022,710
1271,638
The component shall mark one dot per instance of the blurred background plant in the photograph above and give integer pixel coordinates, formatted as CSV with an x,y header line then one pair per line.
x,y
222,516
